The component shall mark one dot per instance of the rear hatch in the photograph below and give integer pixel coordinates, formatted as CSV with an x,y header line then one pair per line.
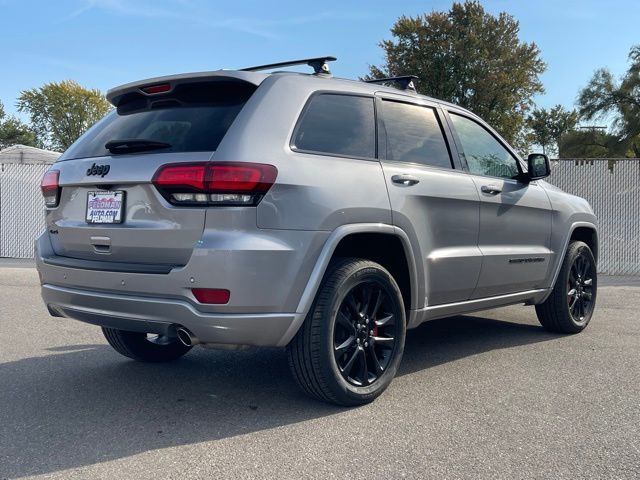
x,y
109,210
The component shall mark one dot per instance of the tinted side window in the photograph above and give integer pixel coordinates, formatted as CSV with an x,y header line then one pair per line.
x,y
338,125
414,135
484,154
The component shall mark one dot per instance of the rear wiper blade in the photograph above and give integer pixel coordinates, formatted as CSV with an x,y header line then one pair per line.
x,y
134,145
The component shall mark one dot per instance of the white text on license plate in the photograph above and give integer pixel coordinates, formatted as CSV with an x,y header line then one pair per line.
x,y
105,207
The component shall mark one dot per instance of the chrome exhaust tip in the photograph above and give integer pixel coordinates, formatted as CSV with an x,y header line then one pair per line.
x,y
187,338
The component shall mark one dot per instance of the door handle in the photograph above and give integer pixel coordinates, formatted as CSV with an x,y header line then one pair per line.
x,y
491,189
406,180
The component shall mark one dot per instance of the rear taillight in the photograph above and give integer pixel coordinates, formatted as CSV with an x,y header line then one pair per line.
x,y
50,188
215,183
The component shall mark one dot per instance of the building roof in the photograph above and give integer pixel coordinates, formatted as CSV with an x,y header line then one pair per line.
x,y
26,154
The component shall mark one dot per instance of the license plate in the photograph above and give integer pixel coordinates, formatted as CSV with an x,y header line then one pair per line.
x,y
105,207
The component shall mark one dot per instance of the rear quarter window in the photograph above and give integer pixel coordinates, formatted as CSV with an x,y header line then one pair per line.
x,y
335,124
192,118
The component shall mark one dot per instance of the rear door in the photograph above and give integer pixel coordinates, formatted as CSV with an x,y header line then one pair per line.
x,y
515,216
182,123
433,200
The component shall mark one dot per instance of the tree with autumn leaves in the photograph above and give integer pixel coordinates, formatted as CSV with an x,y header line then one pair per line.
x,y
471,58
464,55
62,111
476,60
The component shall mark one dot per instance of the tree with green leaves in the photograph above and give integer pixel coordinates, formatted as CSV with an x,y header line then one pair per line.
x,y
61,112
14,132
604,96
591,143
548,126
469,57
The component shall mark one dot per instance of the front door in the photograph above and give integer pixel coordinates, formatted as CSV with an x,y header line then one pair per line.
x,y
515,215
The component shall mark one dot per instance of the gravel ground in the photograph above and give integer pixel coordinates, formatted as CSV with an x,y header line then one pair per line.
x,y
490,395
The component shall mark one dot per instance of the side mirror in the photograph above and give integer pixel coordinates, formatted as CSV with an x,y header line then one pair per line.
x,y
539,166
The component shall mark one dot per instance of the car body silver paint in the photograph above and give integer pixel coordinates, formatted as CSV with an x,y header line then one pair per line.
x,y
568,212
515,224
264,269
322,262
216,328
450,258
273,257
333,190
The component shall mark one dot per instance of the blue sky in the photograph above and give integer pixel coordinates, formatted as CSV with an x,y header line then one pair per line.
x,y
103,43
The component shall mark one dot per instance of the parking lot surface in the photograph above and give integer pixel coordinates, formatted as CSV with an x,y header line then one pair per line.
x,y
491,395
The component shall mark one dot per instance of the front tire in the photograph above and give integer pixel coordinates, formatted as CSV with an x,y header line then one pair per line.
x,y
351,343
144,348
570,306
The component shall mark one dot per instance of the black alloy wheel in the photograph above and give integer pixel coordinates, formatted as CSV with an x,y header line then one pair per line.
x,y
351,343
364,335
571,303
580,288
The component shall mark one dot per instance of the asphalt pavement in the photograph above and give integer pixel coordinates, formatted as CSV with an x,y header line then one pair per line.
x,y
490,395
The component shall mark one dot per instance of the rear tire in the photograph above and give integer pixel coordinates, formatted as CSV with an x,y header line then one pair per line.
x,y
139,347
351,343
570,306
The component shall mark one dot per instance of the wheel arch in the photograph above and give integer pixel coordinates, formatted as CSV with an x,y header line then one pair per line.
x,y
343,241
583,231
588,235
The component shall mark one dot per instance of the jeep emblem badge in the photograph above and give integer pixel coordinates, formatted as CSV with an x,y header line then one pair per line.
x,y
101,170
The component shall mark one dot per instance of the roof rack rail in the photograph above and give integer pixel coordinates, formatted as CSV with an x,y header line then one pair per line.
x,y
319,65
405,82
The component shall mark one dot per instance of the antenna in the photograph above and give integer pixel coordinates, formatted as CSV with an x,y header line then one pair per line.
x,y
319,65
405,82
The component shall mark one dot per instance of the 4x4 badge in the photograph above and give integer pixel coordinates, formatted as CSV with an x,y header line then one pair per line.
x,y
101,170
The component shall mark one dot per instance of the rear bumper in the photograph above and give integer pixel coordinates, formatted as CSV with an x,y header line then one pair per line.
x,y
266,272
154,315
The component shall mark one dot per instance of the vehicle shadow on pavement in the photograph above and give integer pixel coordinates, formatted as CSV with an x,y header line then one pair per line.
x,y
84,404
448,339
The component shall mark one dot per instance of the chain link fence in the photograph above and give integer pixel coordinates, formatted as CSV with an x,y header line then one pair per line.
x,y
21,208
612,187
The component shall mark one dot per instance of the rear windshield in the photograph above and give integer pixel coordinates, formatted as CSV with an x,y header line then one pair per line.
x,y
192,118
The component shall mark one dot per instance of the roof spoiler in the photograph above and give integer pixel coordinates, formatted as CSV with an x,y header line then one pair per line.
x,y
404,82
319,65
115,95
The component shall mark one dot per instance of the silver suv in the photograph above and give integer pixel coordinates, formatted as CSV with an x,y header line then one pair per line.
x,y
328,216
